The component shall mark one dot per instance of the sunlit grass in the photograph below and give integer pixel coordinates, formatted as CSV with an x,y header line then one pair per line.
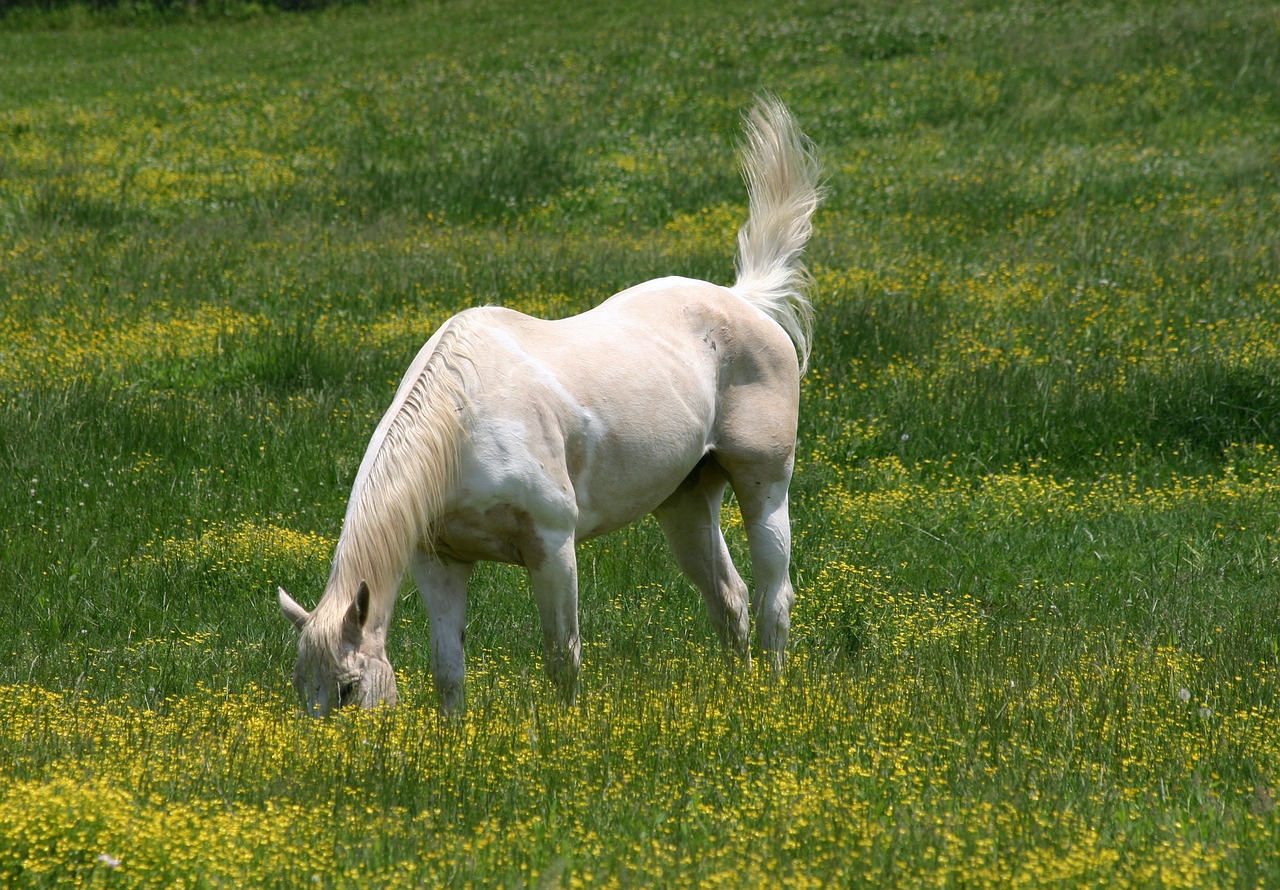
x,y
1036,532
691,778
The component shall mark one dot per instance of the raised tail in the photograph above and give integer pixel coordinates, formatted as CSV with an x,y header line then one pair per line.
x,y
783,173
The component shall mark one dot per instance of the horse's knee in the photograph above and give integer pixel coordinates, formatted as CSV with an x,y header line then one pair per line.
x,y
451,695
448,669
450,683
563,664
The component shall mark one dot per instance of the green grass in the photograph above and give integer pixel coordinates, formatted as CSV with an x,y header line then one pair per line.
x,y
1037,512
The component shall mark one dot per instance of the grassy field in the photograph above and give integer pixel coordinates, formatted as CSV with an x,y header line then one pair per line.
x,y
1037,509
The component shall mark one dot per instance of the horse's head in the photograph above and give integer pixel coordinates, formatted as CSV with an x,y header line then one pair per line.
x,y
338,664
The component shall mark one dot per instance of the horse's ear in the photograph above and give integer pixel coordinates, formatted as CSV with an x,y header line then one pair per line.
x,y
357,615
295,613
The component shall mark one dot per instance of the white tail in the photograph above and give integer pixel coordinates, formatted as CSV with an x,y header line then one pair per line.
x,y
782,172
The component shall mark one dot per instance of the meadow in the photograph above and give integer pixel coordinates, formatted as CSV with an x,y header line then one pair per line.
x,y
1037,504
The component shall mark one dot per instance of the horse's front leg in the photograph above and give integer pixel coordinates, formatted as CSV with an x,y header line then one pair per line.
x,y
443,587
553,574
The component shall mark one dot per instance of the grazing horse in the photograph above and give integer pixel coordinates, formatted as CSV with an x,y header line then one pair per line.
x,y
512,438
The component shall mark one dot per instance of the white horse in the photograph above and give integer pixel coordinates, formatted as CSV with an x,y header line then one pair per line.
x,y
512,438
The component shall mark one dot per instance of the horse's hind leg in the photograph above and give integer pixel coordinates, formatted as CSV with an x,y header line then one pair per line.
x,y
761,490
443,587
691,520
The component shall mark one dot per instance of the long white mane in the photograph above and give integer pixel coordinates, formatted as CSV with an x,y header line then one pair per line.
x,y
407,472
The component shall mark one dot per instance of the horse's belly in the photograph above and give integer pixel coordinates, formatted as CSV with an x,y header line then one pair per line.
x,y
627,484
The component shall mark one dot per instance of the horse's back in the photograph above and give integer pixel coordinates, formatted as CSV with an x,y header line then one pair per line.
x,y
644,340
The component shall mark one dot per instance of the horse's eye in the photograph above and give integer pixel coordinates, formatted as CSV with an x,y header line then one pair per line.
x,y
347,693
